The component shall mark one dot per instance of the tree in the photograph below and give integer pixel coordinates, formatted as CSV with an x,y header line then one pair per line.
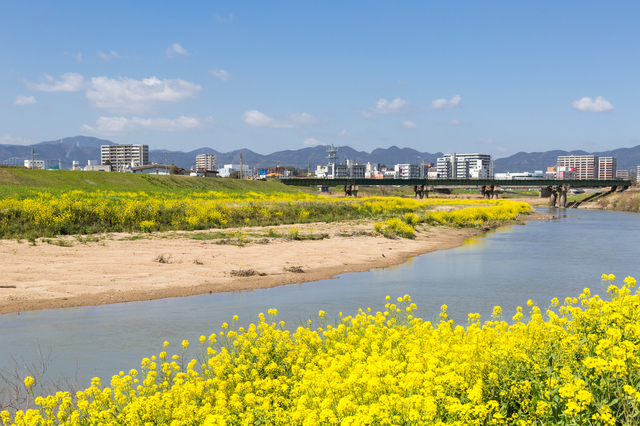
x,y
175,170
234,175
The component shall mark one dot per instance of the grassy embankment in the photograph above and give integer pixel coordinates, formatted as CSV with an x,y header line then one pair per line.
x,y
36,204
627,201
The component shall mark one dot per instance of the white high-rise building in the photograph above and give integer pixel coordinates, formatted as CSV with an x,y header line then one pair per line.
x,y
465,166
121,156
207,162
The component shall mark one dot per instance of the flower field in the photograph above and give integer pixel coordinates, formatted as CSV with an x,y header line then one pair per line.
x,y
573,364
40,213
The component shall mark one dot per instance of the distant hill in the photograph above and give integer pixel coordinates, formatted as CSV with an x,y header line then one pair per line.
x,y
84,148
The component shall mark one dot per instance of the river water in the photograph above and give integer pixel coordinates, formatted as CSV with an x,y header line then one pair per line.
x,y
505,267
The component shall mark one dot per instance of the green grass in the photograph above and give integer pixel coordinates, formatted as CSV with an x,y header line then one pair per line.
x,y
16,181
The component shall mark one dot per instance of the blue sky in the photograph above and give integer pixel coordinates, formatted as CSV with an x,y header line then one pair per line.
x,y
495,77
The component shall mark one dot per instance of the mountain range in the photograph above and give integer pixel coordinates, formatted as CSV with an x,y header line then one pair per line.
x,y
83,148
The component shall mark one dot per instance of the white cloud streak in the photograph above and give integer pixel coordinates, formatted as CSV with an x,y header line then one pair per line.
x,y
409,124
69,82
486,141
113,125
231,18
454,122
10,140
175,48
312,142
25,100
108,56
77,56
368,115
446,104
255,118
302,118
135,96
221,74
599,104
345,134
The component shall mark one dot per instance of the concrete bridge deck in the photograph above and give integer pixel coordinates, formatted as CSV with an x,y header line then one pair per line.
x,y
520,183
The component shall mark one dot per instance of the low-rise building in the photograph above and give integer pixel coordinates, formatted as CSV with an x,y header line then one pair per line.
x,y
151,169
230,168
34,164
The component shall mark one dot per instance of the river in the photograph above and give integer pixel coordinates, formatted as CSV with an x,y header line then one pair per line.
x,y
505,267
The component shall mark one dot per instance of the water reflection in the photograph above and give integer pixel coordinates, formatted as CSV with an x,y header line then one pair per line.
x,y
505,267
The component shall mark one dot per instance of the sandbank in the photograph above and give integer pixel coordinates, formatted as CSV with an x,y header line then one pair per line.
x,y
124,267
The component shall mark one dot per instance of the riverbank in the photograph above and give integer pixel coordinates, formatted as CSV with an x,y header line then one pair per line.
x,y
627,201
115,268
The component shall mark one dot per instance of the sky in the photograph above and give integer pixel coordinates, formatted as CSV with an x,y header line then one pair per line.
x,y
495,77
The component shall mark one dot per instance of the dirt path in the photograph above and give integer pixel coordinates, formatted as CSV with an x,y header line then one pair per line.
x,y
122,267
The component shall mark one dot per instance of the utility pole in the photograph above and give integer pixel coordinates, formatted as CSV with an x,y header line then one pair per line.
x,y
165,164
32,156
240,165
59,164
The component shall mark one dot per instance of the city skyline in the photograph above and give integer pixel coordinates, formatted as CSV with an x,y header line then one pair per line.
x,y
268,77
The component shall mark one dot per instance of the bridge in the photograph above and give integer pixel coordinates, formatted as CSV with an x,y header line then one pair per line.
x,y
555,189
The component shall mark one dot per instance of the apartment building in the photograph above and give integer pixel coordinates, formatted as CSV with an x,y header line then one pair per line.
x,y
123,155
607,167
464,166
207,162
589,166
407,171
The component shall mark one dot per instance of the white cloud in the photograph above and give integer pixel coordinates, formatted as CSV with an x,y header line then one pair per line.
x,y
77,56
108,56
446,104
25,100
111,125
302,118
312,142
453,122
367,114
394,107
231,18
129,95
345,134
485,140
409,124
221,74
175,48
597,105
255,118
10,140
69,82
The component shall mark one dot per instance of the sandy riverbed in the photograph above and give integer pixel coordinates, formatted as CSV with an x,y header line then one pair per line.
x,y
120,269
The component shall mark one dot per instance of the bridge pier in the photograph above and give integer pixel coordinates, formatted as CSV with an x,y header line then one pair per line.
x,y
544,192
421,191
351,190
487,192
552,197
496,190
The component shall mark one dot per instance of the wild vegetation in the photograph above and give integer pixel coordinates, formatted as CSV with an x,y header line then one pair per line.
x,y
567,365
101,202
